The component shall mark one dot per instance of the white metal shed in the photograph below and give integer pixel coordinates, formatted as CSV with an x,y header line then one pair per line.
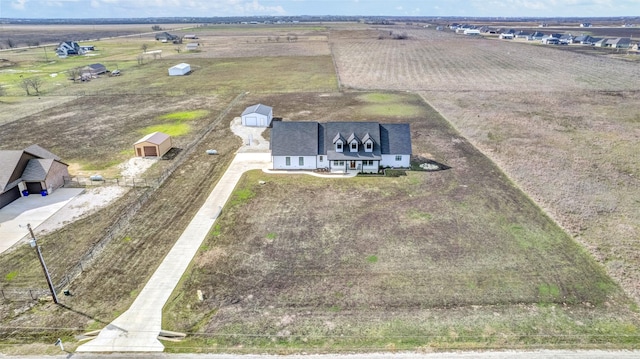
x,y
179,69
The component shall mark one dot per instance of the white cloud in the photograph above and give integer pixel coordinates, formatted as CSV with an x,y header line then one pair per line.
x,y
18,4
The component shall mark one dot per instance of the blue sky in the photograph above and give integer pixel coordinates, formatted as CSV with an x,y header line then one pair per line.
x,y
213,8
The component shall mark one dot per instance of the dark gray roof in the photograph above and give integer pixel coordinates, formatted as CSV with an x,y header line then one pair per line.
x,y
40,152
8,162
357,129
37,169
259,108
395,138
294,138
313,138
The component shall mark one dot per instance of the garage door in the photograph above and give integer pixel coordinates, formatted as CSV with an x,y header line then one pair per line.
x,y
150,151
251,121
9,196
34,187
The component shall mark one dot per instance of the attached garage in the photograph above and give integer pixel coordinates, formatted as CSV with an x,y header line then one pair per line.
x,y
153,145
257,116
9,196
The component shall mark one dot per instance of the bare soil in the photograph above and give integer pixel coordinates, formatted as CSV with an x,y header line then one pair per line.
x,y
562,133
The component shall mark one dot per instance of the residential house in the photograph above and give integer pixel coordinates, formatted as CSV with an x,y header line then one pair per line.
x,y
33,170
67,48
536,36
585,24
521,35
585,40
257,116
165,36
620,43
506,36
340,146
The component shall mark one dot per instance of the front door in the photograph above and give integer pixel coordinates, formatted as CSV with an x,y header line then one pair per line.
x,y
352,165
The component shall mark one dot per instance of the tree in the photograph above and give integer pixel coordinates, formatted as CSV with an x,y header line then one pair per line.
x,y
74,73
11,43
156,28
140,59
36,83
178,49
144,47
24,84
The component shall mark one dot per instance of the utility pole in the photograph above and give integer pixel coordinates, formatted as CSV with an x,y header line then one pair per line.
x,y
35,245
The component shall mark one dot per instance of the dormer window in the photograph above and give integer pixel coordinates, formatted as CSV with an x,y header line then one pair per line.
x,y
353,141
339,142
368,143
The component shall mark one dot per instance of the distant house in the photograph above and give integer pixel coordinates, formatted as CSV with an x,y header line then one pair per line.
x,y
94,70
153,145
179,69
192,46
472,32
33,170
585,40
585,24
257,116
190,36
620,43
536,36
68,48
521,35
550,40
506,36
340,146
165,36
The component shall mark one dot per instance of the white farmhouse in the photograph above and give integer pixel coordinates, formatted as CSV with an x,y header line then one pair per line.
x,y
340,146
179,69
257,116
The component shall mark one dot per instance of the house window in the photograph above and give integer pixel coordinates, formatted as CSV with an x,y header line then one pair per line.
x,y
369,145
338,163
398,158
301,161
287,161
339,146
367,163
321,159
354,146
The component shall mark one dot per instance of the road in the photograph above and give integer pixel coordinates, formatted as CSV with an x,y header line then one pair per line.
x,y
541,354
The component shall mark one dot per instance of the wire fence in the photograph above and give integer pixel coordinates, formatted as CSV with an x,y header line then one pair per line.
x,y
122,223
21,295
91,181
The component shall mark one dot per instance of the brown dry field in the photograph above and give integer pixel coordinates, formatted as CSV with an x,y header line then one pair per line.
x,y
26,35
534,111
564,126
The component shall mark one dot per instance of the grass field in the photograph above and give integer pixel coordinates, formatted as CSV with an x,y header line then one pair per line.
x,y
281,273
455,259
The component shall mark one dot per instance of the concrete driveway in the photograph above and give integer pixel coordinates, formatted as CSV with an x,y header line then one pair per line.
x,y
33,209
137,329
